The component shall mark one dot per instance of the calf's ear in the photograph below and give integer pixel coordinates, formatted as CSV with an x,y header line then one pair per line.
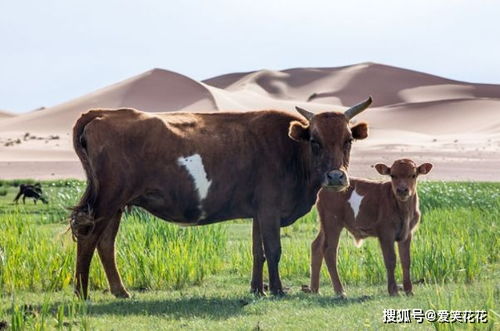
x,y
298,131
424,169
360,131
383,169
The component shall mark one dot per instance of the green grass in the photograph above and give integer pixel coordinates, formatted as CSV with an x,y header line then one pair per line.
x,y
198,278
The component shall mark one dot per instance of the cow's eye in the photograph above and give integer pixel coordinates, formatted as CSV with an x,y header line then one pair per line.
x,y
414,176
392,176
316,146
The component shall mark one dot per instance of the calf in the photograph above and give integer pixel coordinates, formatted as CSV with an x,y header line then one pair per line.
x,y
386,210
30,191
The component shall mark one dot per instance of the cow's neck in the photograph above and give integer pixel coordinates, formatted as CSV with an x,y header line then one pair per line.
x,y
312,181
308,183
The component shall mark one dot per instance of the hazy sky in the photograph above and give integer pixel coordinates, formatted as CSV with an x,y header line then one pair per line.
x,y
53,51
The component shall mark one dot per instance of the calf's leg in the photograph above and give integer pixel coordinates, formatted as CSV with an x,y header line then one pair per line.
x,y
387,245
404,255
331,244
106,250
316,261
257,285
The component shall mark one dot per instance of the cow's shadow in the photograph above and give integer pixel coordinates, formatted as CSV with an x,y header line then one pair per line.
x,y
198,306
215,308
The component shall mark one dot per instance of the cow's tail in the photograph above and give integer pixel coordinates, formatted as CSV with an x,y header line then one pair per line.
x,y
82,220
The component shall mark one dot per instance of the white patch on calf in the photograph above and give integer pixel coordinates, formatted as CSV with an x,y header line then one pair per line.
x,y
195,168
355,202
358,242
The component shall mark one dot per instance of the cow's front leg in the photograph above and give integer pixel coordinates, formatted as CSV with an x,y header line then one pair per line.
x,y
270,231
257,285
404,255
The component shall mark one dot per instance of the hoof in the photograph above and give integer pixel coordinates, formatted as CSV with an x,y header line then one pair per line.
x,y
122,294
258,292
278,293
409,293
342,296
306,289
81,296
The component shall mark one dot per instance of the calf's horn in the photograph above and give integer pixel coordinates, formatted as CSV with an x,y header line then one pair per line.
x,y
356,109
307,114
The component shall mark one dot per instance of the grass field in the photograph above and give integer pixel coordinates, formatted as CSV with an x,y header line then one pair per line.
x,y
198,278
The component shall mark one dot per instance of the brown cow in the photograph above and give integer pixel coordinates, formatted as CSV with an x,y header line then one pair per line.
x,y
203,168
388,211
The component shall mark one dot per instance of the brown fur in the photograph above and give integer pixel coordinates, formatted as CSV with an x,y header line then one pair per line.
x,y
261,165
388,211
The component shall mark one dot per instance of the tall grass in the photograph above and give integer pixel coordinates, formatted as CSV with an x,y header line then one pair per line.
x,y
151,254
458,241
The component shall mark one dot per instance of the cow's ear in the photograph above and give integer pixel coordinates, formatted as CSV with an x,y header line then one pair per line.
x,y
383,169
298,131
360,131
424,169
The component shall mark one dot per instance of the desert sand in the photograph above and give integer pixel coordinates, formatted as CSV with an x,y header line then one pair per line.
x,y
5,114
453,124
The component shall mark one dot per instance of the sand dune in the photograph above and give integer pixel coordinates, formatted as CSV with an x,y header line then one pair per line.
x,y
347,85
154,91
5,114
453,124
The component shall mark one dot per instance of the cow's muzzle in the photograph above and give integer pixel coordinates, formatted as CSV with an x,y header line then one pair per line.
x,y
336,180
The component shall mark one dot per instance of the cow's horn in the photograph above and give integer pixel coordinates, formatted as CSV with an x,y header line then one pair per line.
x,y
356,109
307,114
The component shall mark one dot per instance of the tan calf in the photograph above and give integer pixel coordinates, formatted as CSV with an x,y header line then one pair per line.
x,y
388,211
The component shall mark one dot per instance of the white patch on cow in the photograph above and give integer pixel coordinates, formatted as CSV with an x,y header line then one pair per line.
x,y
355,202
195,168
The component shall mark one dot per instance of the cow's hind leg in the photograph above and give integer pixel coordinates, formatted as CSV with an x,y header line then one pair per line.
x,y
84,252
106,250
257,285
88,231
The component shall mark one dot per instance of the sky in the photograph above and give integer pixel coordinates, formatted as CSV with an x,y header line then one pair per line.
x,y
56,50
